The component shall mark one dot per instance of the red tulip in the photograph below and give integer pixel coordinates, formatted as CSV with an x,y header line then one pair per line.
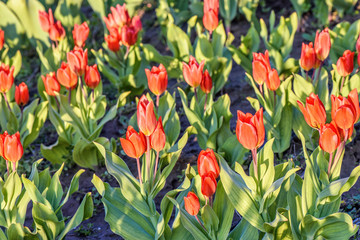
x,y
157,79
207,163
261,67
329,139
128,35
345,111
136,22
250,129
145,116
92,76
314,111
13,149
2,39
6,77
208,184
113,42
22,94
120,15
2,138
308,57
110,22
158,137
134,144
78,60
211,12
51,84
56,31
46,20
192,204
80,34
345,64
66,77
273,81
193,72
206,82
322,44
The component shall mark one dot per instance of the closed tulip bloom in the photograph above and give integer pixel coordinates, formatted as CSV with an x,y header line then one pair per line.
x,y
113,42
120,14
2,139
345,112
6,77
128,35
207,163
158,137
192,204
110,22
145,116
66,76
2,39
193,72
134,144
261,67
345,64
157,79
92,76
22,94
308,57
273,81
80,34
329,139
250,130
322,44
51,84
13,149
46,20
78,60
313,111
208,184
206,82
136,22
210,20
57,32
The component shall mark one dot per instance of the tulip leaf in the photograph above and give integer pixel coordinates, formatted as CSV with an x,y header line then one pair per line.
x,y
68,12
244,231
178,42
47,224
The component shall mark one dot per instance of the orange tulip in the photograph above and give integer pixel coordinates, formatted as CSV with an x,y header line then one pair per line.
x,y
51,84
145,116
13,149
250,129
2,39
345,64
206,82
329,139
92,76
193,72
345,111
208,184
2,138
113,42
46,20
322,44
120,15
128,35
80,34
211,12
273,81
78,60
57,31
22,94
134,144
261,67
6,77
157,79
314,111
192,204
207,163
158,137
66,77
308,57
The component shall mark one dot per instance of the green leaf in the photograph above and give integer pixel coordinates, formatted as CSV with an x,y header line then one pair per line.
x,y
178,42
68,12
11,190
58,152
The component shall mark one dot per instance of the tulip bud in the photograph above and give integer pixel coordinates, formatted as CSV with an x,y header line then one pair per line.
x,y
314,111
193,72
158,137
211,12
345,112
206,82
6,77
208,184
345,64
51,84
57,32
207,163
134,144
192,204
261,67
273,81
2,39
128,35
13,149
157,79
78,60
322,44
329,139
120,15
308,57
92,76
113,42
145,116
22,94
250,130
66,77
46,20
80,34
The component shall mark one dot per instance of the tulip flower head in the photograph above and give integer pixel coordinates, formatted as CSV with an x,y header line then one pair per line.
x,y
211,12
157,79
145,116
22,94
92,76
273,81
2,39
80,34
345,64
329,139
51,84
322,44
128,35
13,149
120,15
78,60
261,67
208,184
313,111
66,76
113,42
207,163
57,32
46,20
6,77
193,72
206,82
308,57
192,204
158,137
134,144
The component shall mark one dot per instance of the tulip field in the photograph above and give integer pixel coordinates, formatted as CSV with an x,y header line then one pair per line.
x,y
179,119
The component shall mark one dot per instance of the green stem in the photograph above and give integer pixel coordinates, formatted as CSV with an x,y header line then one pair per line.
x,y
156,164
148,156
139,170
